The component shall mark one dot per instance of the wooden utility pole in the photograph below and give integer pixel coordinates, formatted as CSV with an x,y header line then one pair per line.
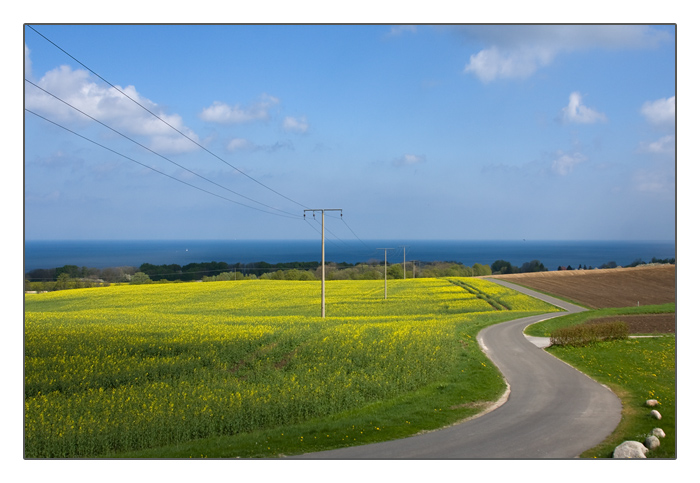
x,y
385,249
323,253
404,260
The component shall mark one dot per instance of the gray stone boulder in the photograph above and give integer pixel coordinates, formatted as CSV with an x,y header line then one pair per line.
x,y
652,442
630,449
655,414
658,432
652,403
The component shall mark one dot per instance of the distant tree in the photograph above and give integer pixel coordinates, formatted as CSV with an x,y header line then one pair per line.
x,y
63,281
195,271
140,278
292,274
533,266
305,275
71,270
501,266
394,271
479,269
609,265
170,272
372,274
42,274
113,274
226,276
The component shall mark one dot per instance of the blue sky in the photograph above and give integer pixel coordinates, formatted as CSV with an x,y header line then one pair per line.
x,y
415,131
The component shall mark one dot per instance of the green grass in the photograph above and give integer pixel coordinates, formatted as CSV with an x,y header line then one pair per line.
x,y
636,370
463,391
227,368
266,336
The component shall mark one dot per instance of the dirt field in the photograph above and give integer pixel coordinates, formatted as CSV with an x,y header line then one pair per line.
x,y
644,324
615,287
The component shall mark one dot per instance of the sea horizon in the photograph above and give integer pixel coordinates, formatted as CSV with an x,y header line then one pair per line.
x,y
103,253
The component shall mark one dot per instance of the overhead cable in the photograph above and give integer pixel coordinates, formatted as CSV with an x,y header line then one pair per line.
x,y
163,121
157,154
154,169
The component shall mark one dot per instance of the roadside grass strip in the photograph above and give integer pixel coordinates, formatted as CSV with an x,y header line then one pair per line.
x,y
636,369
220,369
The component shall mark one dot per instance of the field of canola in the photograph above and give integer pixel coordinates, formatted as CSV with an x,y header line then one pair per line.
x,y
130,367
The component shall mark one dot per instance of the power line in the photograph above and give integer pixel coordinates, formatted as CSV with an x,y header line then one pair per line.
x,y
186,137
353,232
157,154
342,218
163,121
154,169
319,232
329,231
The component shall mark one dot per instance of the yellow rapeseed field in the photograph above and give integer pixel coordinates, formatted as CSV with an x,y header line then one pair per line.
x,y
130,367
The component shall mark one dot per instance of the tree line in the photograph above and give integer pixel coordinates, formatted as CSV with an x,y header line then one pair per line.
x,y
505,267
72,276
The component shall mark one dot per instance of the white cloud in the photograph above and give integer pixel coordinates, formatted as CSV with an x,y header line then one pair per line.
x,y
518,51
577,112
298,125
109,106
494,63
239,144
661,111
221,112
409,160
666,144
564,163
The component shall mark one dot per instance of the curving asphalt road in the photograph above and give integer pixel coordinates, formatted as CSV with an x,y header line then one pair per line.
x,y
552,410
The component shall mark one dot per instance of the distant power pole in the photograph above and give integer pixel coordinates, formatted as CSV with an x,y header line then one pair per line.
x,y
385,249
323,254
404,260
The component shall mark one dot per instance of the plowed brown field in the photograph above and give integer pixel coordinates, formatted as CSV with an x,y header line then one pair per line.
x,y
615,287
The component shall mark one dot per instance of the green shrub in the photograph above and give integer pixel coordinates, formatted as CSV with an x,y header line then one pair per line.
x,y
584,334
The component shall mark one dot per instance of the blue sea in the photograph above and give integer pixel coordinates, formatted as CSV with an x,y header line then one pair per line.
x,y
117,253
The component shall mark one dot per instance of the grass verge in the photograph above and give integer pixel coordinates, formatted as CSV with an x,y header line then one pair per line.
x,y
464,391
636,370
